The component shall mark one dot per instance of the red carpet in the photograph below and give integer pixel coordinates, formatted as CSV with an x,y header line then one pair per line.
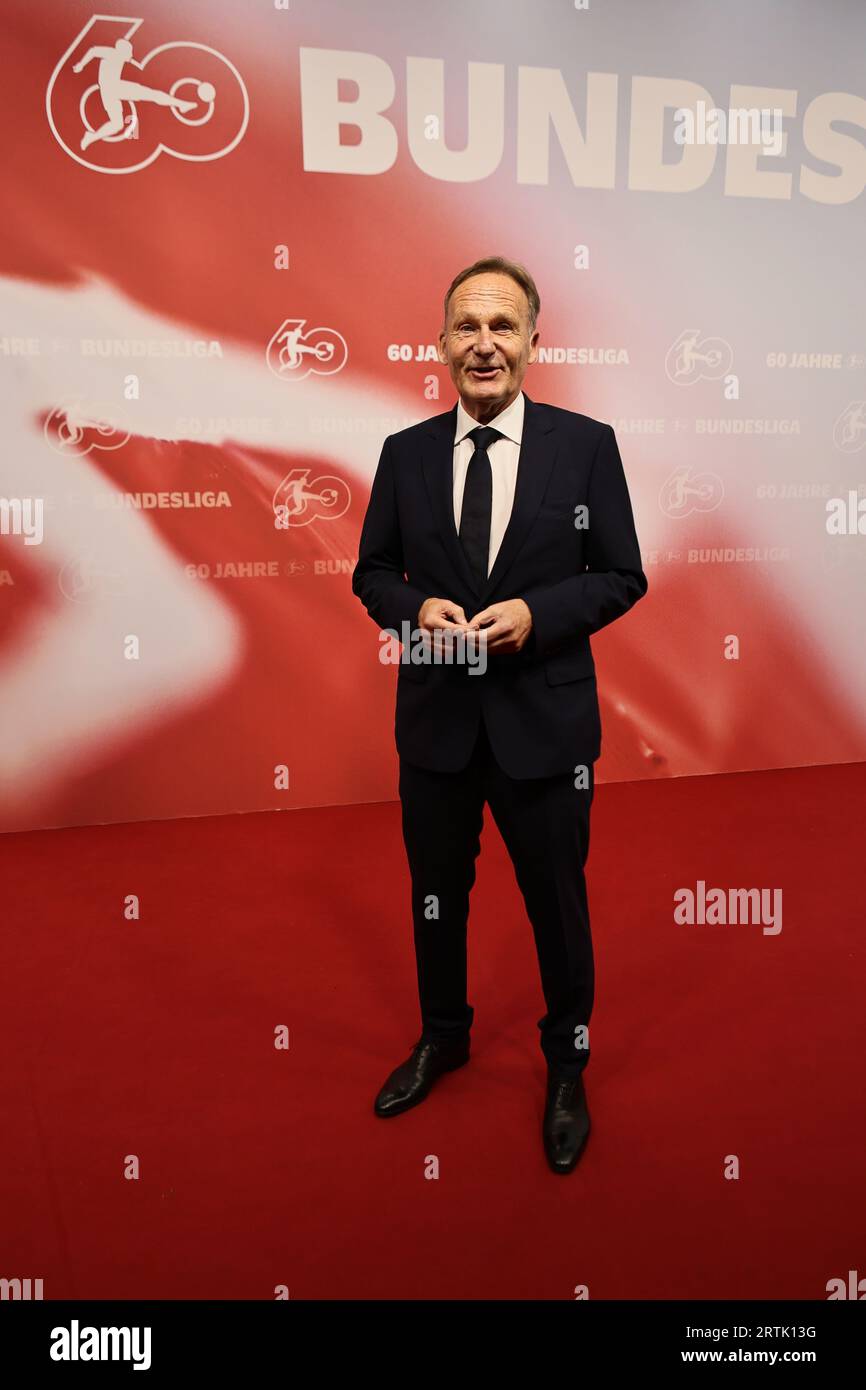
x,y
262,1167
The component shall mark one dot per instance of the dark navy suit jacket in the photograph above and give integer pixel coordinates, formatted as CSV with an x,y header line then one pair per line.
x,y
540,705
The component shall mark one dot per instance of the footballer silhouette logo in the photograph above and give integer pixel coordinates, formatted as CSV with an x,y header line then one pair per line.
x,y
685,492
293,354
693,358
115,106
299,499
849,431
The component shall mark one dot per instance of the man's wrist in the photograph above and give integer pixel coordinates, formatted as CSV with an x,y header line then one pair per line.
x,y
530,644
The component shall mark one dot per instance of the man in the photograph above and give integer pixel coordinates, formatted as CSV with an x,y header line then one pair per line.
x,y
511,519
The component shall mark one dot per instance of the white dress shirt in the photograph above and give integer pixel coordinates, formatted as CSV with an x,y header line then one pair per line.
x,y
503,455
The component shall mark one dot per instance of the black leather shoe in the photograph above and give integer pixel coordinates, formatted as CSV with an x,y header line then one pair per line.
x,y
410,1083
566,1121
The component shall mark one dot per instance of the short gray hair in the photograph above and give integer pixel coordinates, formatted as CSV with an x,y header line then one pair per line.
x,y
502,266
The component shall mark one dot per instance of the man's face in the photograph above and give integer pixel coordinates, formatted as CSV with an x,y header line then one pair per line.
x,y
487,343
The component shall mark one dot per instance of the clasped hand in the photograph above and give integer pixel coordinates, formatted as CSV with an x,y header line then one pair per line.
x,y
507,624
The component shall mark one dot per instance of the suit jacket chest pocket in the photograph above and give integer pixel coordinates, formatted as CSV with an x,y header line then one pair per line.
x,y
558,537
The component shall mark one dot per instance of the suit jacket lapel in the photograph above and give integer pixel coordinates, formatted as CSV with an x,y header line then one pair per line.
x,y
537,454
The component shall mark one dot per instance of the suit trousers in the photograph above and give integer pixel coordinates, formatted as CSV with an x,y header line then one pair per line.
x,y
544,823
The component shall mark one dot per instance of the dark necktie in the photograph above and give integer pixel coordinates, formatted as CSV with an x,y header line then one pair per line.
x,y
477,501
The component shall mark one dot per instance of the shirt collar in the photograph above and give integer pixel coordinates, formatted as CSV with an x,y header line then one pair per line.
x,y
509,421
